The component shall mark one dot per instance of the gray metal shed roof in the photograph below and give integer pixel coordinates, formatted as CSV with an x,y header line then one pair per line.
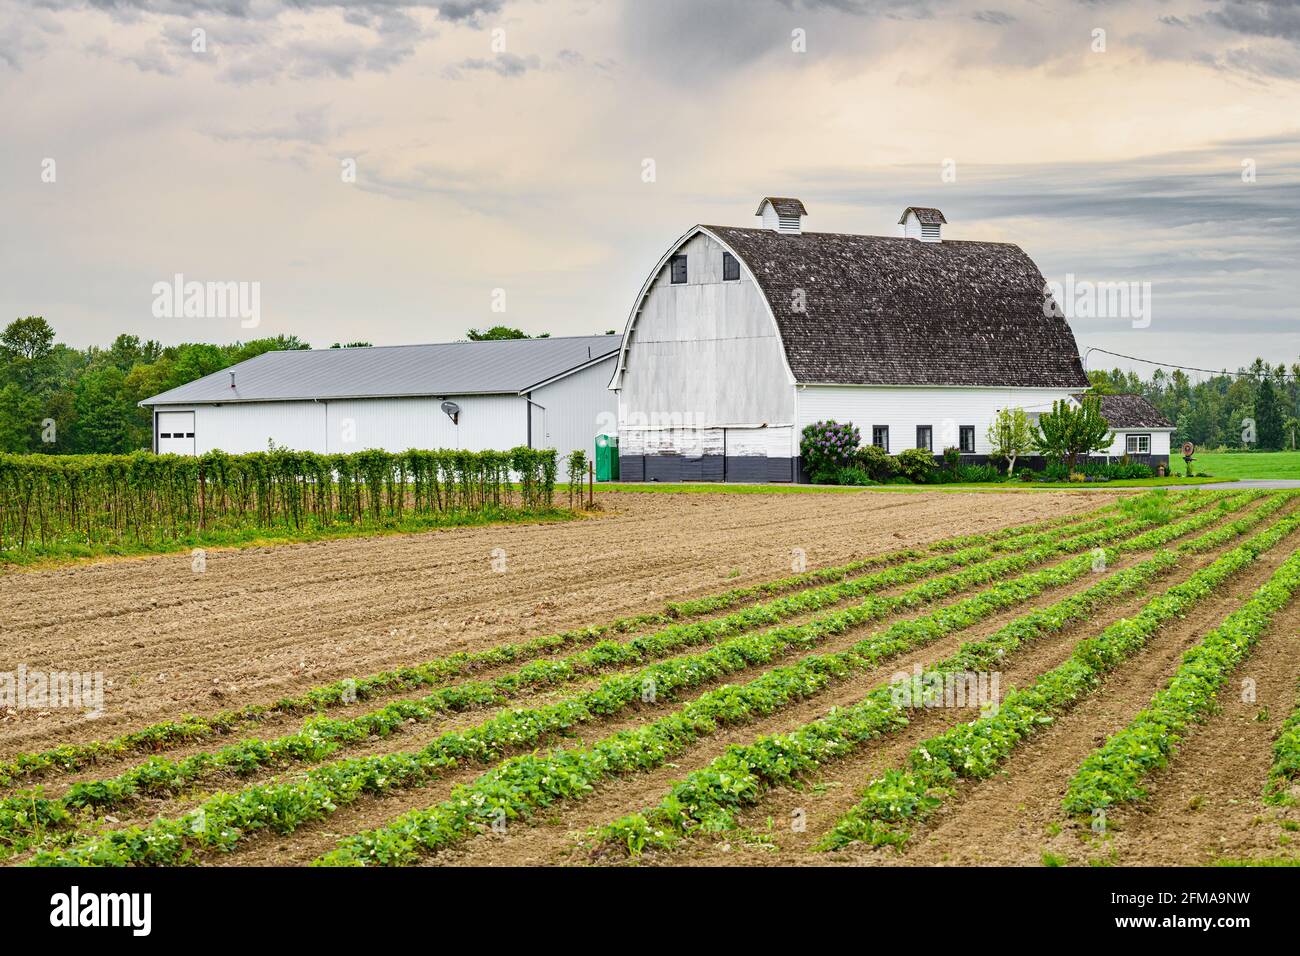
x,y
509,366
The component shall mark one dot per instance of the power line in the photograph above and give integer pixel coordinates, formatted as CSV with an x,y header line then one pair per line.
x,y
1185,368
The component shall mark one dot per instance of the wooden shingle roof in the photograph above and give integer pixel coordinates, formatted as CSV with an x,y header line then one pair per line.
x,y
872,310
926,215
1131,411
784,206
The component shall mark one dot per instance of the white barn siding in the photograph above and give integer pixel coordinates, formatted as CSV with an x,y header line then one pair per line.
x,y
706,392
706,353
575,409
902,409
393,424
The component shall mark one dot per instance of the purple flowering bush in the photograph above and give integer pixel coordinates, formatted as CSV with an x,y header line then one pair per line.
x,y
827,447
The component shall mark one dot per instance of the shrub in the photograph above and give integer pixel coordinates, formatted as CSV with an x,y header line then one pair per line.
x,y
951,459
1055,471
978,473
826,448
916,464
853,475
876,462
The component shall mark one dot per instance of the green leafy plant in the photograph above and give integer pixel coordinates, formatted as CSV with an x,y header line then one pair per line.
x,y
916,464
827,447
1069,431
1011,436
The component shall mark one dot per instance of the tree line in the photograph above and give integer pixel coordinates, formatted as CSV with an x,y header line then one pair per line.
x,y
56,399
1255,407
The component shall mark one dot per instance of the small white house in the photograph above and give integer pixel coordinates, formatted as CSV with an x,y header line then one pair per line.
x,y
540,393
1141,432
740,337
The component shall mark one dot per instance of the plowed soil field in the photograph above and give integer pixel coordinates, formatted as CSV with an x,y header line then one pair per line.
x,y
683,627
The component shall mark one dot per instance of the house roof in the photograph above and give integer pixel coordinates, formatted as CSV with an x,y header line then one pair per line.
x,y
927,215
893,311
1131,411
508,366
784,205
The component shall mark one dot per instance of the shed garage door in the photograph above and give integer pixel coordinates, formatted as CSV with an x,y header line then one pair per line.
x,y
175,433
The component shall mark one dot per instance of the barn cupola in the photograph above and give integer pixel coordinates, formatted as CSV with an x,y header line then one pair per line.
x,y
922,222
782,214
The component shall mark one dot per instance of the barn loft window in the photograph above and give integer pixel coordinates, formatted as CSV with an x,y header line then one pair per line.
x,y
678,269
730,267
925,437
1139,444
880,436
966,436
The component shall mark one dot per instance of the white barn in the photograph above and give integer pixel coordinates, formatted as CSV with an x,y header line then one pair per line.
x,y
541,393
740,337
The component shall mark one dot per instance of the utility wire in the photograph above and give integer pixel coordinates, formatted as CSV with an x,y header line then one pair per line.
x,y
1185,368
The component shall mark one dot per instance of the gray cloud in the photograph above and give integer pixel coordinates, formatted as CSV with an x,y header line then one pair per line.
x,y
1277,18
502,64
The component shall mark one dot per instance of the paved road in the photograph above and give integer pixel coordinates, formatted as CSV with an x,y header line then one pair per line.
x,y
1256,483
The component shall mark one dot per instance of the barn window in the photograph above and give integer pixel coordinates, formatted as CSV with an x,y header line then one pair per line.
x,y
966,436
925,437
678,267
880,436
1139,444
730,267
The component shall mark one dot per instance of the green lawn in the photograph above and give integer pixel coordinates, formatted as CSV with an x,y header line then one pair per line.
x,y
1259,464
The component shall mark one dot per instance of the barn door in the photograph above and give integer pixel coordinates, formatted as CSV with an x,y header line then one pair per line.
x,y
175,433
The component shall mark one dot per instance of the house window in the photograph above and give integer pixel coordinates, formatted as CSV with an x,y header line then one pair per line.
x,y
924,437
880,436
1139,444
730,267
678,266
966,437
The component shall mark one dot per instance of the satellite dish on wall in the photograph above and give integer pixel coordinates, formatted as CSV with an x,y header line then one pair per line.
x,y
453,412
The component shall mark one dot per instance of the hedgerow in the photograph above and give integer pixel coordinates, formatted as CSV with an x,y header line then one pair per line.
x,y
1114,773
193,728
145,498
976,749
221,821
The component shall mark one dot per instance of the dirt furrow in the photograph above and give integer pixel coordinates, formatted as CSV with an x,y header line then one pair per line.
x,y
1011,818
423,595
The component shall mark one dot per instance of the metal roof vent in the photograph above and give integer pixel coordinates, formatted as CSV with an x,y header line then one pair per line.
x,y
922,222
782,214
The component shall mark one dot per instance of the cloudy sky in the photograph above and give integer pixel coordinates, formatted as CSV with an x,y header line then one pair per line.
x,y
503,145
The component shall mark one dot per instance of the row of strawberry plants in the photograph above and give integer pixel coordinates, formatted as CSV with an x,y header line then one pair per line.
x,y
1114,773
194,728
525,783
227,817
1283,786
321,736
900,798
708,798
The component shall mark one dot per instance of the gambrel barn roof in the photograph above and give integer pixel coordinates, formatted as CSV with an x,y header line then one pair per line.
x,y
872,310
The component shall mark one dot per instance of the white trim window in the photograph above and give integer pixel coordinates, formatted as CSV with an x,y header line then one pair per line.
x,y
1137,444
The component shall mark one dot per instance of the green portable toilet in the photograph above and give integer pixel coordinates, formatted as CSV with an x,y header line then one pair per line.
x,y
607,458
